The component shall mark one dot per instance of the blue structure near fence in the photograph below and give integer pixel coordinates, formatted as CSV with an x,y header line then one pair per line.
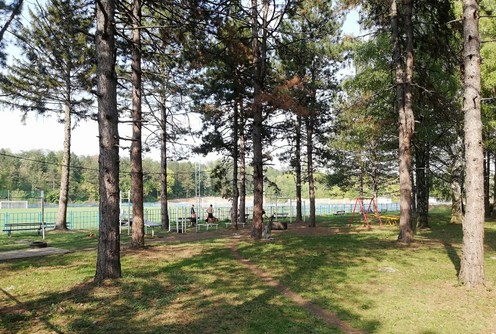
x,y
88,218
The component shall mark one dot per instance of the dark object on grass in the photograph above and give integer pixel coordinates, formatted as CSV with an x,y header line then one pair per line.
x,y
273,225
38,244
279,225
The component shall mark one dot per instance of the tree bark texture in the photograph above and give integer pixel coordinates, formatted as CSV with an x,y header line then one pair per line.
x,y
311,182
374,170
422,176
413,204
403,81
163,165
361,175
242,173
297,167
61,221
138,238
472,260
235,153
493,212
456,173
487,172
108,265
259,68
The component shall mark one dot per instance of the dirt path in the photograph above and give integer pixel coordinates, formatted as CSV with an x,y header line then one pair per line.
x,y
327,316
244,233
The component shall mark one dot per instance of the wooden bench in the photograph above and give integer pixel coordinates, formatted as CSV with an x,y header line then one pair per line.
x,y
14,227
339,212
207,225
239,223
29,226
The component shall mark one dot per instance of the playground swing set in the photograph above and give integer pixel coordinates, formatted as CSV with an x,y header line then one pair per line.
x,y
371,210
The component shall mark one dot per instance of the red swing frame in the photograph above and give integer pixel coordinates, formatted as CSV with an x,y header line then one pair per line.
x,y
360,201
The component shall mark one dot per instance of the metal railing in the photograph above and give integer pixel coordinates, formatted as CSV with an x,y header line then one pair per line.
x,y
81,219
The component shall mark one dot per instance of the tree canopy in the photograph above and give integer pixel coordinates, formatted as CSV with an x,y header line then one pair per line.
x,y
278,82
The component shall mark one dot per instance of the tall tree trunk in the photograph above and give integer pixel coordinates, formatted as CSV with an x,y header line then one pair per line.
x,y
235,192
138,239
311,182
374,170
405,112
421,164
297,167
257,173
61,221
413,205
108,264
487,172
242,172
456,200
493,212
259,68
472,261
456,173
163,165
360,179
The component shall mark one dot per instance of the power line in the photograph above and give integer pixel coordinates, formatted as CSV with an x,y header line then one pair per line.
x,y
88,168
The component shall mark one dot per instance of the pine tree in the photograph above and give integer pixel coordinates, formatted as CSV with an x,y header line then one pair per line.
x,y
8,12
108,265
472,260
136,144
52,74
309,53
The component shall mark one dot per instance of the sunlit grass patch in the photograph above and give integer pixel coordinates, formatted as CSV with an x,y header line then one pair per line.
x,y
361,274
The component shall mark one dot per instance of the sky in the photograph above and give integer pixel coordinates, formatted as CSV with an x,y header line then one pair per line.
x,y
45,133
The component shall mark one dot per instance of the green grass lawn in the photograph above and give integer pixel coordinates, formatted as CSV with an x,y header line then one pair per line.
x,y
361,274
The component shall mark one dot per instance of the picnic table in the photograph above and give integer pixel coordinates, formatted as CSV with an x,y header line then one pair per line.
x,y
152,225
390,220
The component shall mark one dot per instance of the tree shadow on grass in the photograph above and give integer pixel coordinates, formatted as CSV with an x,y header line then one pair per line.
x,y
207,292
451,237
452,253
165,289
198,287
327,260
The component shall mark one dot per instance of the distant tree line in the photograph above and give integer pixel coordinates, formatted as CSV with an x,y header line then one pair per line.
x,y
29,172
38,170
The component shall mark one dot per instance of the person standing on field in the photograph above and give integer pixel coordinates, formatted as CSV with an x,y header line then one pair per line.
x,y
210,213
193,215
